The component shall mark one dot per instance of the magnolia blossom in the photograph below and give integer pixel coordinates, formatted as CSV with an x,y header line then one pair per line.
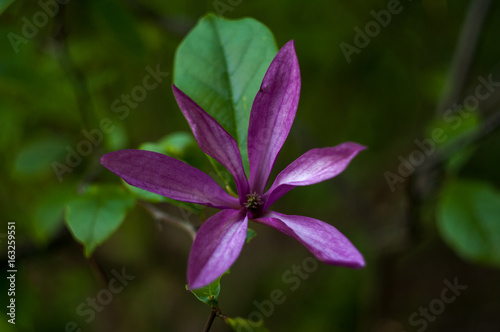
x,y
220,239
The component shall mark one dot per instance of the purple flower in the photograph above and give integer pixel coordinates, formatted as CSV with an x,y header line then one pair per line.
x,y
220,239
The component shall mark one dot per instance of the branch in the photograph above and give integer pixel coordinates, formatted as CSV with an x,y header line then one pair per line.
x,y
161,215
425,179
489,126
213,314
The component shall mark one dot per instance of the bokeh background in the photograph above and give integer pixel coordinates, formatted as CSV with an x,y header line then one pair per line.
x,y
66,75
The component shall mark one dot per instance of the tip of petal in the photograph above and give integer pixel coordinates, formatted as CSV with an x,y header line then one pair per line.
x,y
357,264
290,43
109,158
360,147
113,159
355,146
288,49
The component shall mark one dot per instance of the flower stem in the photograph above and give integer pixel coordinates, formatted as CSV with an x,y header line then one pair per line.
x,y
208,325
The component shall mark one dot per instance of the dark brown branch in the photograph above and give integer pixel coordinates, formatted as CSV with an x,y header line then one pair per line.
x,y
76,75
464,54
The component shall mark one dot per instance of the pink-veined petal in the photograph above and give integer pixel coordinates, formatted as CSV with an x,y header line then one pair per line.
x,y
312,167
167,176
213,139
216,246
323,240
272,115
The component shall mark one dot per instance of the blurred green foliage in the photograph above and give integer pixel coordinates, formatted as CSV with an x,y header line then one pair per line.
x,y
82,70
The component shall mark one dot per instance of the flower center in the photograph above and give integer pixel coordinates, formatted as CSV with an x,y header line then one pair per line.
x,y
254,202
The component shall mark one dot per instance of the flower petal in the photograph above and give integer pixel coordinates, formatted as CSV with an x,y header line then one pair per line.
x,y
213,139
272,115
312,167
168,177
216,247
323,240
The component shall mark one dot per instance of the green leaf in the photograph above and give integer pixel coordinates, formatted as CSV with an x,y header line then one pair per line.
x,y
241,324
176,144
4,4
210,293
35,158
468,219
95,215
220,65
250,235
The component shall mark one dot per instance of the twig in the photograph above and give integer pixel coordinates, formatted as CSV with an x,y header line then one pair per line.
x,y
489,126
419,183
77,76
462,59
161,215
464,53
